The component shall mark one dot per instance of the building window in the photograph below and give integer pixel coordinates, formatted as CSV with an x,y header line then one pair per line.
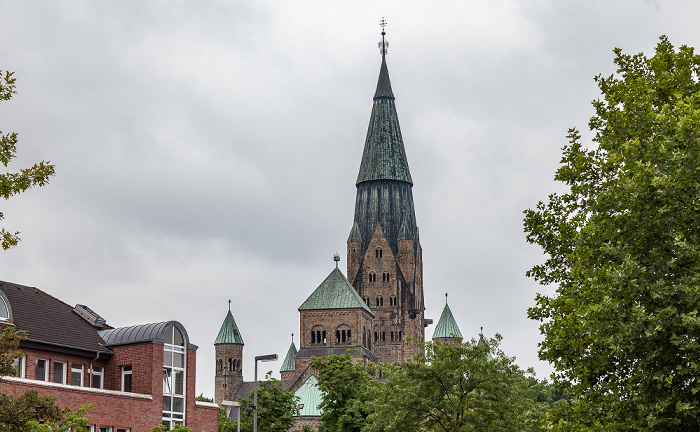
x,y
392,336
123,430
383,336
59,372
97,377
378,253
105,429
41,372
4,310
126,378
318,335
376,336
174,368
399,335
20,366
76,374
372,277
380,301
385,277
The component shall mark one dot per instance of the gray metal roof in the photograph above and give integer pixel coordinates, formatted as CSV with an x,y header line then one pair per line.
x,y
153,332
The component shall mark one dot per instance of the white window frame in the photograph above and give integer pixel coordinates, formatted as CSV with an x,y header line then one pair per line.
x,y
101,374
45,378
64,376
171,418
20,365
121,429
104,428
130,372
81,369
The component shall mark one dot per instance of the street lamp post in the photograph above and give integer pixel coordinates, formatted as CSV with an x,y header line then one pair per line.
x,y
264,358
237,405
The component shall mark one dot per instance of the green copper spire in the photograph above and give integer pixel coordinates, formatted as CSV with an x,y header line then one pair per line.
x,y
288,364
384,157
447,326
229,330
335,293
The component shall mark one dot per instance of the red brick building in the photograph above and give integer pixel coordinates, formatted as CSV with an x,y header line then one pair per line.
x,y
137,377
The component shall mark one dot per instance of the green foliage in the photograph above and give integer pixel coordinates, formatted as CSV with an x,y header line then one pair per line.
x,y
10,338
202,398
225,423
72,421
276,407
348,390
17,182
457,387
17,412
623,248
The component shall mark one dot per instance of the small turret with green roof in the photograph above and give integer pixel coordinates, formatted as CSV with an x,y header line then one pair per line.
x,y
447,329
289,366
229,359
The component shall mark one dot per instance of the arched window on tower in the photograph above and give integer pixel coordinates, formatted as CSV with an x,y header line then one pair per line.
x,y
318,335
372,277
385,277
378,253
230,365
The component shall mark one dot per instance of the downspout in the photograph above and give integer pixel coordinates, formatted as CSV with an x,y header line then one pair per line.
x,y
91,361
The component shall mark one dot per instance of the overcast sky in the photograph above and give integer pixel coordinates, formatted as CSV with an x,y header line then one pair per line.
x,y
208,150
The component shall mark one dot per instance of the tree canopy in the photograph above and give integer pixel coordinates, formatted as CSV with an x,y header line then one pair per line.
x,y
457,387
13,183
623,248
277,407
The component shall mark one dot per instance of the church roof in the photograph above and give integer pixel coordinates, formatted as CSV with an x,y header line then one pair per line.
x,y
384,156
309,398
288,364
229,332
335,293
447,326
355,235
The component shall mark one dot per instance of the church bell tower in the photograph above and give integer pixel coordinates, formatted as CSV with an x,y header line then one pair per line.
x,y
385,262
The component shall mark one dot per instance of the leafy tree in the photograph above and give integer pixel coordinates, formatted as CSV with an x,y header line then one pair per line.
x,y
10,338
457,387
71,421
17,182
16,413
178,428
277,407
202,398
348,390
623,247
225,423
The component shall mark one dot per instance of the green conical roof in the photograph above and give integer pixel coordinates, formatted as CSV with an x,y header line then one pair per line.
x,y
482,342
384,157
288,364
355,235
310,397
229,331
446,327
335,293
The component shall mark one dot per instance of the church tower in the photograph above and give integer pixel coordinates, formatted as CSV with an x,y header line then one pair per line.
x,y
228,347
385,262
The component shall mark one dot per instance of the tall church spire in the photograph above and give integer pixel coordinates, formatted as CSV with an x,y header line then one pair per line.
x,y
385,264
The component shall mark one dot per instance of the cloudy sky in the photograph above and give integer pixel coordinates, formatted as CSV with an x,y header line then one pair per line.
x,y
208,150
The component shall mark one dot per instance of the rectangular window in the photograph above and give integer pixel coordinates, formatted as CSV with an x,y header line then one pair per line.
x,y
105,429
42,370
19,365
76,374
97,375
123,430
59,372
126,378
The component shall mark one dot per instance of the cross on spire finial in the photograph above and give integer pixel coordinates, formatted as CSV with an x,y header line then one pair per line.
x,y
383,45
336,258
445,298
292,337
229,305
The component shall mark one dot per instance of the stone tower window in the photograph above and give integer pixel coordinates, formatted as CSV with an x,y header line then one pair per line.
x,y
380,301
385,277
378,253
372,277
318,336
392,301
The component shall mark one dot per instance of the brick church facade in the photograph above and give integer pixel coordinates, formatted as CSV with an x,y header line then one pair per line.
x,y
375,311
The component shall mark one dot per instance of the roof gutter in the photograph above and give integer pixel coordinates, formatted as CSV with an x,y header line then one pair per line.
x,y
91,362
